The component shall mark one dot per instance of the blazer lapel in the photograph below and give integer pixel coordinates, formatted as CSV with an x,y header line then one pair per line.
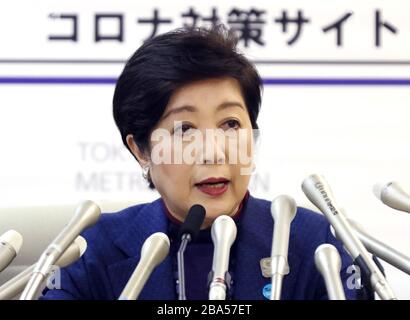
x,y
135,229
160,285
137,226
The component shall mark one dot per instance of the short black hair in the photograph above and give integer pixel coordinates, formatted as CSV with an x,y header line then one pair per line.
x,y
167,62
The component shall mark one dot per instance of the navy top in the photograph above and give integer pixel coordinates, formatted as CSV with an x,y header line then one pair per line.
x,y
198,256
198,262
115,241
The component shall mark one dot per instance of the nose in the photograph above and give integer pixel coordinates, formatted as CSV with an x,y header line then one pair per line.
x,y
213,150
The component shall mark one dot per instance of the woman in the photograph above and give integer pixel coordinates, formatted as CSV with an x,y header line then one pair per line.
x,y
178,90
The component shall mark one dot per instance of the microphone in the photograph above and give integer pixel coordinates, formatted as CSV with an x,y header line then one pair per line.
x,y
393,195
10,245
319,193
188,232
87,214
14,286
381,250
223,234
328,263
153,252
193,221
283,210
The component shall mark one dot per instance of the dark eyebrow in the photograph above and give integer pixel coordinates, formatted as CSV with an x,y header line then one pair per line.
x,y
190,108
179,109
229,104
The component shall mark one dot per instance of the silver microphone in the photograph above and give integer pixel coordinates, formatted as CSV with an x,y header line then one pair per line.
x,y
153,252
393,195
87,214
10,245
319,193
14,286
329,264
223,234
283,210
381,250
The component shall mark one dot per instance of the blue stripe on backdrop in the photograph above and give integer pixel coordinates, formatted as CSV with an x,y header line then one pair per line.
x,y
266,81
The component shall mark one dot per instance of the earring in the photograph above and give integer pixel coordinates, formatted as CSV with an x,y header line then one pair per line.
x,y
145,171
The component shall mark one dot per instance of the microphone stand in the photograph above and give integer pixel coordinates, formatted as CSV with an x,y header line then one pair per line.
x,y
186,238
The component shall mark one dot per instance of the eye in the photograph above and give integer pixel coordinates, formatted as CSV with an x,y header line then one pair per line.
x,y
182,129
231,124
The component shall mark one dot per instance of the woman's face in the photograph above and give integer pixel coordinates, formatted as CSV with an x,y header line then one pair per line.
x,y
194,114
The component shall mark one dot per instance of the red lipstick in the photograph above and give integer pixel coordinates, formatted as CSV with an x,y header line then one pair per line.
x,y
213,186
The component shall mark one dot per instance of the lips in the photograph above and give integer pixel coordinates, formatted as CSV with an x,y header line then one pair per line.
x,y
213,186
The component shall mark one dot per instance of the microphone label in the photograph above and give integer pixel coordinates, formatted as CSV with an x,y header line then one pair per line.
x,y
329,204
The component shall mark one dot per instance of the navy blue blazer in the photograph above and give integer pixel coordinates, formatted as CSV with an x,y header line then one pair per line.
x,y
114,245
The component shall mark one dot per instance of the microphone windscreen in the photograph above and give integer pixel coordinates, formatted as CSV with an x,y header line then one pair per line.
x,y
378,189
13,238
193,221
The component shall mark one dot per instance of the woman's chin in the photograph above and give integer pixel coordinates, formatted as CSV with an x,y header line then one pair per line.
x,y
211,215
215,206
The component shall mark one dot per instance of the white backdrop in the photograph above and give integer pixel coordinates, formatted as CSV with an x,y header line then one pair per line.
x,y
341,111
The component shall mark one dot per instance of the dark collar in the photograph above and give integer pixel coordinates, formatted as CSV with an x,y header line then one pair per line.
x,y
205,234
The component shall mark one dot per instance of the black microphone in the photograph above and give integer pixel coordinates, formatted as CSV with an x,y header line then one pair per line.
x,y
188,232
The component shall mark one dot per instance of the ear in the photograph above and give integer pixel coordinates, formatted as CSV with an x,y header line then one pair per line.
x,y
143,159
